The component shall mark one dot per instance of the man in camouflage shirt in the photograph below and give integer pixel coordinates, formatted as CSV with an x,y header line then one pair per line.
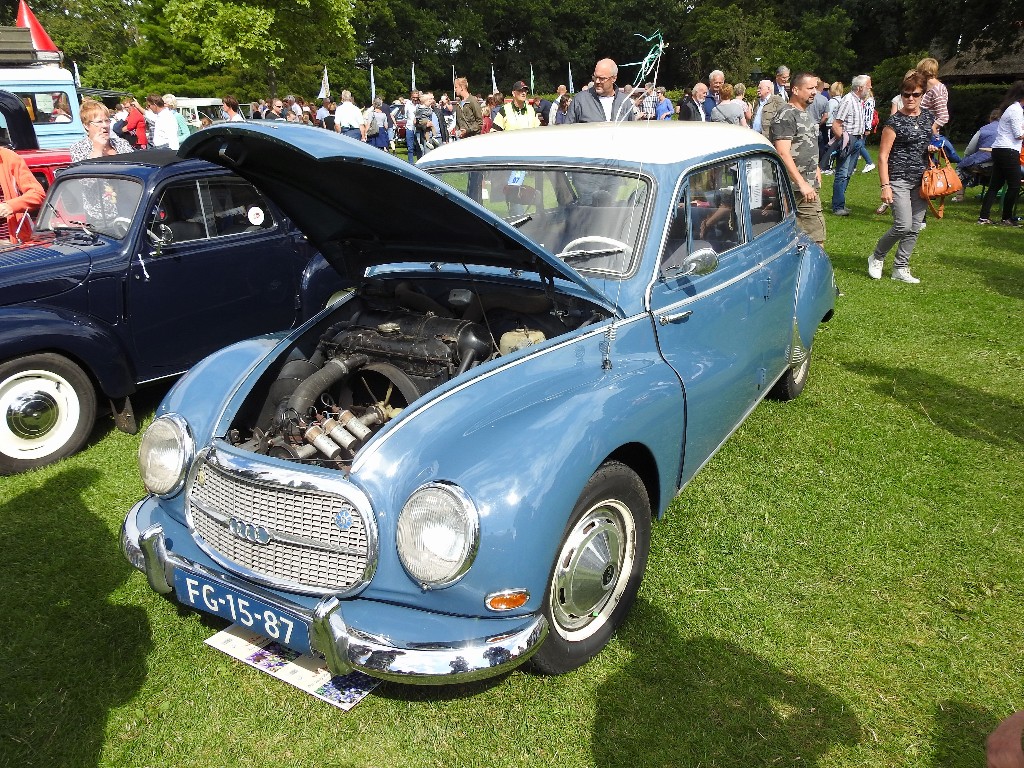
x,y
795,135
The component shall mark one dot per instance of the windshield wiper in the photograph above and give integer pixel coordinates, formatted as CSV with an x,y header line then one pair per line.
x,y
518,222
587,253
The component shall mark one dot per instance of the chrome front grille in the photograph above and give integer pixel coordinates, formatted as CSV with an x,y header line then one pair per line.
x,y
300,538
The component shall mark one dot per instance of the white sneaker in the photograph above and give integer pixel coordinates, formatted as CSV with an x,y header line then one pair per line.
x,y
868,168
903,275
827,172
875,267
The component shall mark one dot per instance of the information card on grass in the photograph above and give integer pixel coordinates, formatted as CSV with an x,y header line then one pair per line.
x,y
305,672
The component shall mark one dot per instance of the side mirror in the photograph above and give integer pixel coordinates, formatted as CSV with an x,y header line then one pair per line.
x,y
159,235
702,261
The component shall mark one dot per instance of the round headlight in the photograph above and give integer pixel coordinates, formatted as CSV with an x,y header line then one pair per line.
x,y
165,454
438,533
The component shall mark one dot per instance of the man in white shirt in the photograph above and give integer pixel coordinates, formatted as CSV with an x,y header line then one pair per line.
x,y
165,130
348,120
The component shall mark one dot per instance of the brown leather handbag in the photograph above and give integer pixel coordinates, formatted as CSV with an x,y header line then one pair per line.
x,y
940,180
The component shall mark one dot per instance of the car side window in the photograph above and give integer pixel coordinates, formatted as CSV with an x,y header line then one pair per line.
x,y
180,209
237,207
767,193
707,216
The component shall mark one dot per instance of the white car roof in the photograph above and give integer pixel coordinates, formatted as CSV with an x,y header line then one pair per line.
x,y
664,142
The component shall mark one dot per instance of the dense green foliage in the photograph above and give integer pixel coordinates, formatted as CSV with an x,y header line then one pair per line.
x,y
258,47
840,586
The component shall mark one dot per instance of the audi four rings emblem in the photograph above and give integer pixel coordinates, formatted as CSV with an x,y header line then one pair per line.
x,y
243,529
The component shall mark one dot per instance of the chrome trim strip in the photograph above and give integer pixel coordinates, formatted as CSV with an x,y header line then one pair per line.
x,y
347,648
711,291
599,330
261,473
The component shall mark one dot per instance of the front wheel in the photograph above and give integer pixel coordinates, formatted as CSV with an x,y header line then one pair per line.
x,y
597,573
47,410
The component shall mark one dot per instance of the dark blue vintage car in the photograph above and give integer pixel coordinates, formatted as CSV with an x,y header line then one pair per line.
x,y
455,468
140,266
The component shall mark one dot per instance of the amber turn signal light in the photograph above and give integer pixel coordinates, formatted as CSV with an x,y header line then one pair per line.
x,y
507,599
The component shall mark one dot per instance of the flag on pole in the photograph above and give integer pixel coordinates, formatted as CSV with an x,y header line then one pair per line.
x,y
78,79
325,87
571,88
413,88
373,86
532,89
453,80
494,83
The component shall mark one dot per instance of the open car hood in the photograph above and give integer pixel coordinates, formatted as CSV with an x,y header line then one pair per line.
x,y
362,207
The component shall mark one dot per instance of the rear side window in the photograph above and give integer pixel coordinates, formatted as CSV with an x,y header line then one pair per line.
x,y
768,192
47,106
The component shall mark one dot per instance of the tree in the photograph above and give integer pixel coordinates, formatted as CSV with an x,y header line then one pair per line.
x,y
277,45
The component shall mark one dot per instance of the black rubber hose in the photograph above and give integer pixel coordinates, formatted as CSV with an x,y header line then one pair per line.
x,y
334,370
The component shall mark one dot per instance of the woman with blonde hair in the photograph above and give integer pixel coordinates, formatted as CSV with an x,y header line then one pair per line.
x,y
98,141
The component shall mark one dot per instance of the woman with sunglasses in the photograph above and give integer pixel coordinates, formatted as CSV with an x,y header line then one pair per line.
x,y
901,163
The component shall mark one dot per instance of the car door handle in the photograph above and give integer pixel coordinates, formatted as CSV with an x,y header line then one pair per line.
x,y
666,319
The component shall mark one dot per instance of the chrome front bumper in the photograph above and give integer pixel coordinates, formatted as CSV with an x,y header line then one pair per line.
x,y
344,647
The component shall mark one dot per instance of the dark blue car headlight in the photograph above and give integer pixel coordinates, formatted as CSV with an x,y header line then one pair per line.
x,y
165,455
438,534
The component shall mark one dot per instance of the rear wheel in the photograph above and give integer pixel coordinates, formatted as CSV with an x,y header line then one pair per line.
x,y
597,573
47,410
793,381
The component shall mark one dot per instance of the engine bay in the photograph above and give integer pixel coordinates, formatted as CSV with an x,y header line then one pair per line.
x,y
381,349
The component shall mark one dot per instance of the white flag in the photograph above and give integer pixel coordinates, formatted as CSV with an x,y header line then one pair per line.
x,y
572,89
413,77
373,86
78,80
494,83
325,87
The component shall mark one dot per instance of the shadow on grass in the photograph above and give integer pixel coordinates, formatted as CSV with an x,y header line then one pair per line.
x,y
960,733
708,702
1000,276
68,655
958,409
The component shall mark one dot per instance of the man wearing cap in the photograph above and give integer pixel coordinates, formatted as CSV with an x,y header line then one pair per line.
x,y
604,102
518,114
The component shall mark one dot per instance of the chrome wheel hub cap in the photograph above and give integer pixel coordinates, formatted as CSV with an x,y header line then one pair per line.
x,y
592,570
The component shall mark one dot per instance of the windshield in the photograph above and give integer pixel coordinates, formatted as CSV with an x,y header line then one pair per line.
x,y
592,220
104,206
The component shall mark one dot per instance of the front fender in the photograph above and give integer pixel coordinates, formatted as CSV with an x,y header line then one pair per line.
x,y
25,330
223,373
522,438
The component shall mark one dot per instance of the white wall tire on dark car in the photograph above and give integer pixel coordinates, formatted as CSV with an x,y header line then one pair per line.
x,y
598,569
47,410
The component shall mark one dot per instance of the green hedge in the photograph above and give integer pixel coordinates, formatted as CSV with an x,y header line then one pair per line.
x,y
969,107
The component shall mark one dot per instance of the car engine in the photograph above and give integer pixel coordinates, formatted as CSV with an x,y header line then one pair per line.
x,y
384,348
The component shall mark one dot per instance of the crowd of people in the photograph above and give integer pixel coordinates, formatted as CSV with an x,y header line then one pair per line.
x,y
819,129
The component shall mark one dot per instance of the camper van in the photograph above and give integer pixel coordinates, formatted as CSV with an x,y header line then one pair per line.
x,y
49,96
45,88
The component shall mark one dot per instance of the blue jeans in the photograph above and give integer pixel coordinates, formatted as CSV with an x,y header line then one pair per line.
x,y
410,142
844,170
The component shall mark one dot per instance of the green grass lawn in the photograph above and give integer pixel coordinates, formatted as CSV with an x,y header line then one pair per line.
x,y
842,585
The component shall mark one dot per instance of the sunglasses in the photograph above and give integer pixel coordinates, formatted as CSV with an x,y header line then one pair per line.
x,y
913,95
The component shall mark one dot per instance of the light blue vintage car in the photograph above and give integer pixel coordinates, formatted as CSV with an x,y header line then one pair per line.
x,y
454,468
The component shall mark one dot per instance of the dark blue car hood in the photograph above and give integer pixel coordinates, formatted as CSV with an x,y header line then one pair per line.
x,y
37,270
363,207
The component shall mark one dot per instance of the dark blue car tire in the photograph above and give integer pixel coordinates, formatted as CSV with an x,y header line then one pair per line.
x,y
597,571
47,411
